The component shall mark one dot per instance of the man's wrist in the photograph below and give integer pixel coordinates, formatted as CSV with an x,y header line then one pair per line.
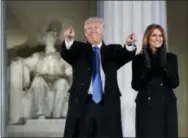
x,y
68,43
130,47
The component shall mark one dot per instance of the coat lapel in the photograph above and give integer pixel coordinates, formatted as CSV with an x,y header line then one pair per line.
x,y
103,55
90,54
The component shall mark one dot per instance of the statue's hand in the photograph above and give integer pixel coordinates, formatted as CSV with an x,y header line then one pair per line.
x,y
68,71
17,58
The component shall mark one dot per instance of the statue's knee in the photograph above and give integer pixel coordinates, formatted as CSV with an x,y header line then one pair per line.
x,y
61,84
38,77
39,82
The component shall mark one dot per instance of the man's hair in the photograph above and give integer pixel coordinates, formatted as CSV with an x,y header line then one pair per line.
x,y
93,19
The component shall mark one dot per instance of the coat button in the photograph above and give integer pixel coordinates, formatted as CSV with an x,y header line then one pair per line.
x,y
88,68
161,84
149,98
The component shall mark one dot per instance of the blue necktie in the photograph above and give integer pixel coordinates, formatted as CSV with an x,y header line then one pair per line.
x,y
97,83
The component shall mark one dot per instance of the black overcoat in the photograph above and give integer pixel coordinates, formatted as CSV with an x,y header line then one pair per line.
x,y
156,110
80,56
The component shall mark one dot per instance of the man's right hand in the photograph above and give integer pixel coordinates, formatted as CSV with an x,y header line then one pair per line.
x,y
69,34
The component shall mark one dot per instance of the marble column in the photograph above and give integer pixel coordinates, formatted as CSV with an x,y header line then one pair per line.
x,y
3,73
122,18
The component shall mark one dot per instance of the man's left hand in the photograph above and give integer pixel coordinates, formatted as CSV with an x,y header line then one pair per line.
x,y
131,39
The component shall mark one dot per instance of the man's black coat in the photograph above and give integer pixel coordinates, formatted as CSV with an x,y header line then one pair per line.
x,y
80,56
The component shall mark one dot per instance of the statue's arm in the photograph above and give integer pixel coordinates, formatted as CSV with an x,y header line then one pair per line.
x,y
16,75
29,65
31,62
26,77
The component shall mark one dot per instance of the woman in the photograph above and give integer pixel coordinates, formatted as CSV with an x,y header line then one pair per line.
x,y
155,75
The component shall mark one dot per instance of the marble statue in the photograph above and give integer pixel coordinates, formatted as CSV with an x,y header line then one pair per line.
x,y
38,85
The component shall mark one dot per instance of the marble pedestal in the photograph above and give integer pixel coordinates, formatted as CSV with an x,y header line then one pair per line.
x,y
38,128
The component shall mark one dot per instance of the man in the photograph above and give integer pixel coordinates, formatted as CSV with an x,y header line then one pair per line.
x,y
94,104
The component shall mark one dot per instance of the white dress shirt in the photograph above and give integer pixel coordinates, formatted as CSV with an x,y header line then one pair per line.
x,y
68,46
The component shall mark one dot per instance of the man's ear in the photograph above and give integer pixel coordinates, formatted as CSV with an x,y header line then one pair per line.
x,y
85,33
102,24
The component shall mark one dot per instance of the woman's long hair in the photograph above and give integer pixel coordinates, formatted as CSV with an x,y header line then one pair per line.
x,y
148,32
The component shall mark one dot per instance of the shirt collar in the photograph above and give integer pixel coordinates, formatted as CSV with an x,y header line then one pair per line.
x,y
99,45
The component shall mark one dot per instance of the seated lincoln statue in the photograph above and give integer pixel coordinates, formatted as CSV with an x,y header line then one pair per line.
x,y
38,85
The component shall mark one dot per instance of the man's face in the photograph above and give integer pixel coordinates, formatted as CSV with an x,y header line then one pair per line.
x,y
94,31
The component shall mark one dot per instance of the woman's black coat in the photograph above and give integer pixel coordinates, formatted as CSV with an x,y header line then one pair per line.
x,y
156,110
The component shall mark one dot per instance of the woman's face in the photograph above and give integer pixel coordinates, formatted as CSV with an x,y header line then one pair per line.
x,y
156,39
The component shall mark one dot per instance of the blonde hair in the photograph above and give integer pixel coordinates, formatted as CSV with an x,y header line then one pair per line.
x,y
93,19
148,32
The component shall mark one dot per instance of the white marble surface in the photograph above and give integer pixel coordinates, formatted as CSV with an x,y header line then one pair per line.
x,y
38,128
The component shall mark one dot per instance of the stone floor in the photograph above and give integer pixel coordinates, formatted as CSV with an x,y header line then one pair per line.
x,y
38,128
